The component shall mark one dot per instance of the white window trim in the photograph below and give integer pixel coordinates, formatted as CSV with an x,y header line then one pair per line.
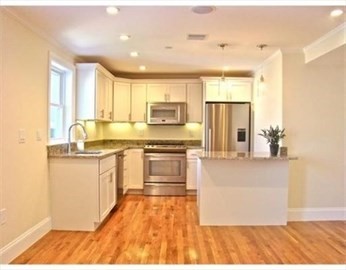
x,y
62,64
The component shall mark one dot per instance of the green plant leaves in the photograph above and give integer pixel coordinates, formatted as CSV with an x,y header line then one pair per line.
x,y
273,135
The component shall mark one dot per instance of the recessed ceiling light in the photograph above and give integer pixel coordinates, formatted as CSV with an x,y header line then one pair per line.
x,y
124,37
225,68
112,10
336,12
142,68
134,54
203,9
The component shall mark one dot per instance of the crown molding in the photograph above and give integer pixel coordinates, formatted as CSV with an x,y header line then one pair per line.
x,y
330,41
39,32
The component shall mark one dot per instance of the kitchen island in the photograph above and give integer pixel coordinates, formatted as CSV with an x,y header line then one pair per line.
x,y
237,188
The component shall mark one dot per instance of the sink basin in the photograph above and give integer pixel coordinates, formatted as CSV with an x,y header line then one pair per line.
x,y
88,152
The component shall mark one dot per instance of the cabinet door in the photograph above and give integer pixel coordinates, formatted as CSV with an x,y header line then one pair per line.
x,y
121,102
101,95
157,93
109,99
103,192
138,102
191,175
136,169
112,187
107,194
126,172
241,91
176,92
194,102
212,91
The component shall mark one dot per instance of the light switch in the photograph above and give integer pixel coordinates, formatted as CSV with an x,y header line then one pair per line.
x,y
39,135
21,135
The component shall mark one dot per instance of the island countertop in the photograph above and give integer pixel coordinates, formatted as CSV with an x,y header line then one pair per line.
x,y
220,155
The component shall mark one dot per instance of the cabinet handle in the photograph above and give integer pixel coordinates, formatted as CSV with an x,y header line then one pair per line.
x,y
102,113
110,115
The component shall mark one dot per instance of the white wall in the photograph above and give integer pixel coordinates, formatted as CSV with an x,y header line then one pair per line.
x,y
141,131
24,84
313,114
267,100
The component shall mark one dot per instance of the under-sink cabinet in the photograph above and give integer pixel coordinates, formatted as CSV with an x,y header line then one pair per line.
x,y
83,192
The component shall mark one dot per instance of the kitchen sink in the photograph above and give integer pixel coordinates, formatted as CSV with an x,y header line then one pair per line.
x,y
86,152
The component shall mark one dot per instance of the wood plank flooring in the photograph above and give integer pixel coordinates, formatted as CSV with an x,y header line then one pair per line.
x,y
165,230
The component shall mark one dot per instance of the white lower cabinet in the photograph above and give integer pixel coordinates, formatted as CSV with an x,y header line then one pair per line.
x,y
126,172
135,168
83,192
191,168
107,192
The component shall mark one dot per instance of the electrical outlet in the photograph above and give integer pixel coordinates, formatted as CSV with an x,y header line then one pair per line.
x,y
3,216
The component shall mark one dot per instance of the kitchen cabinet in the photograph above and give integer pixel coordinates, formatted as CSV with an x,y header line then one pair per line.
x,y
136,168
83,192
94,93
126,172
230,90
194,102
138,102
191,168
172,92
121,102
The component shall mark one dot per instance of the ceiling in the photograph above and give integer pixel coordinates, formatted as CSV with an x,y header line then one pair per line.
x,y
92,34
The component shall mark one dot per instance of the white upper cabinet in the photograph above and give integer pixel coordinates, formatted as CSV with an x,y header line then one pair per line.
x,y
138,102
235,90
121,102
194,102
166,92
94,93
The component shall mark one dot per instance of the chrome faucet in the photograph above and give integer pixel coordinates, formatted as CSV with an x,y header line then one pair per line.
x,y
85,135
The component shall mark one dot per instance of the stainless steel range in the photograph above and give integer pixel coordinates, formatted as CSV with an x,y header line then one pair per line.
x,y
164,170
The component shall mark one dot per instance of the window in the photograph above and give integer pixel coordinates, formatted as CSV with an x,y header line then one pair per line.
x,y
61,99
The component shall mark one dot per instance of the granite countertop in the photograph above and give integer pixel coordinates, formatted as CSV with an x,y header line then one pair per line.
x,y
242,156
93,153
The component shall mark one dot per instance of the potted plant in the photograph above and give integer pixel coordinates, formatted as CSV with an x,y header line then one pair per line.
x,y
273,136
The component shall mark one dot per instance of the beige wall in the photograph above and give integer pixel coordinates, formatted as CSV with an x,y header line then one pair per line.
x,y
142,131
311,98
313,114
24,82
267,99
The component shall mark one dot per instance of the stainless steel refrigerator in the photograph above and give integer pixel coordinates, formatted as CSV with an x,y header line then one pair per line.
x,y
227,127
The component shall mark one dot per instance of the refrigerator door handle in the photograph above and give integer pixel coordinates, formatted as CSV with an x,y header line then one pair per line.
x,y
209,139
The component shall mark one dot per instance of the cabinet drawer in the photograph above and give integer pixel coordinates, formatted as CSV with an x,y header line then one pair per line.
x,y
107,163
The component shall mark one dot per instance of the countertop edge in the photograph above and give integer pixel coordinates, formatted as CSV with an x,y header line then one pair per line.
x,y
104,154
242,156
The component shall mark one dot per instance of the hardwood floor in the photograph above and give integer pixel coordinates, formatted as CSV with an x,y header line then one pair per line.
x,y
165,230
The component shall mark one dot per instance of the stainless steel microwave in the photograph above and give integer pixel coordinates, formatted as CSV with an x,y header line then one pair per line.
x,y
166,113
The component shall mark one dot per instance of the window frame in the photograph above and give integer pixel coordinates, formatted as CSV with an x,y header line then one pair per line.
x,y
67,71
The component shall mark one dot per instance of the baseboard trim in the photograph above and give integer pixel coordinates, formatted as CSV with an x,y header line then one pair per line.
x,y
315,214
24,241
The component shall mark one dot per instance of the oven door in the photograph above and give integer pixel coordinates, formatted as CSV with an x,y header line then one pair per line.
x,y
164,168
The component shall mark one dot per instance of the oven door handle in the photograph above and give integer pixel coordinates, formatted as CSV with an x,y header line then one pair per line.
x,y
163,155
